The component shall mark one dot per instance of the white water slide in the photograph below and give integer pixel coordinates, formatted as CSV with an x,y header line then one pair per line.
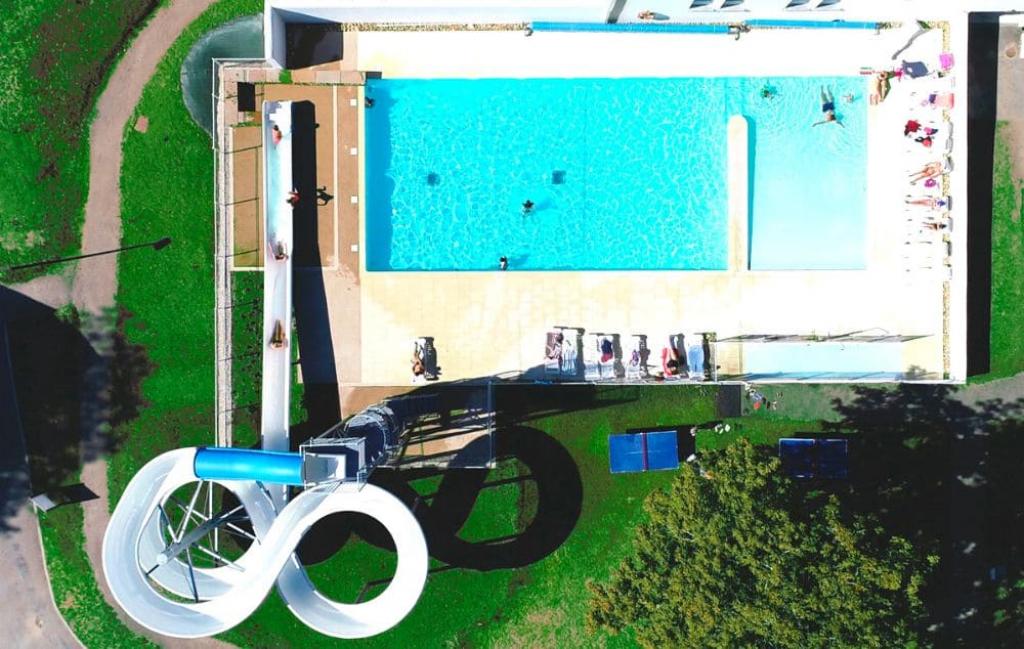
x,y
155,535
137,564
277,279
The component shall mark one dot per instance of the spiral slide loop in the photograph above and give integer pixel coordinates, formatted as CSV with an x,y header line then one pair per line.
x,y
138,565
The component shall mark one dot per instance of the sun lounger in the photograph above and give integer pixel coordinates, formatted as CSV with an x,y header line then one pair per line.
x,y
606,354
695,358
427,354
943,100
675,342
636,359
570,353
553,354
592,357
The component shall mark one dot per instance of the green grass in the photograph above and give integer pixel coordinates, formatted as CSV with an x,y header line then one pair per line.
x,y
542,604
1007,337
167,191
57,56
246,372
78,598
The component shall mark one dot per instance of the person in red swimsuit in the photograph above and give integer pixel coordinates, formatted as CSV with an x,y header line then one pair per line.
x,y
670,360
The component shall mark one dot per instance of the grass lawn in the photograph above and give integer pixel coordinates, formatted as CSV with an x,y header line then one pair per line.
x,y
78,597
1007,338
543,602
246,371
167,191
57,56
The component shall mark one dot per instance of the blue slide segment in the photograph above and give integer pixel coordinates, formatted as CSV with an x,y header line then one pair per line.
x,y
222,463
655,28
810,24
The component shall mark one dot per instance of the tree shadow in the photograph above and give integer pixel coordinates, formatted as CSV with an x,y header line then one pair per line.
x,y
75,379
40,389
936,468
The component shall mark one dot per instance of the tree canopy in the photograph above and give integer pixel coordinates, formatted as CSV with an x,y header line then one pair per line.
x,y
742,556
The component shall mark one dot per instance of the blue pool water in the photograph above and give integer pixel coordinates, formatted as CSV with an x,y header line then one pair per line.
x,y
624,173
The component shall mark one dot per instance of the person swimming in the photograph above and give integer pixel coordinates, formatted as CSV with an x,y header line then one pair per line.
x,y
275,134
828,108
527,207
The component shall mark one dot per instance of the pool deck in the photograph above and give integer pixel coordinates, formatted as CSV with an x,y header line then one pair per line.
x,y
493,324
489,324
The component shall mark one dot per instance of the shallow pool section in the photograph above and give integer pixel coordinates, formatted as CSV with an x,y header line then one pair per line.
x,y
808,207
821,361
623,174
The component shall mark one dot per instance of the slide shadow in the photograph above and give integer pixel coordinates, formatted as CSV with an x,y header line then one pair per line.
x,y
312,322
543,461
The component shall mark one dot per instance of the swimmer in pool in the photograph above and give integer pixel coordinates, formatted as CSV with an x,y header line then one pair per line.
x,y
828,108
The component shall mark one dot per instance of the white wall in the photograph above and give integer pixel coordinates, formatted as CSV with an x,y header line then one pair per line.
x,y
274,42
870,10
599,10
444,11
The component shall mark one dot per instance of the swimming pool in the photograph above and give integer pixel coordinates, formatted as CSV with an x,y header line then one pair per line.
x,y
623,173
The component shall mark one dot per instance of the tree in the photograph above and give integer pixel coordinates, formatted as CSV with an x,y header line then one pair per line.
x,y
743,557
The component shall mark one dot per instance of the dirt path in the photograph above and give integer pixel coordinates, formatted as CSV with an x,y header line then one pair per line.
x,y
95,284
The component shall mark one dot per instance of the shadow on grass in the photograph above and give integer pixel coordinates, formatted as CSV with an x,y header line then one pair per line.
x,y
944,474
524,403
73,382
46,359
555,496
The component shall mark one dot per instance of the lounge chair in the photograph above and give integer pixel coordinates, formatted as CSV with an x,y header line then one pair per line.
x,y
592,357
636,365
570,353
606,355
553,354
695,358
675,342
